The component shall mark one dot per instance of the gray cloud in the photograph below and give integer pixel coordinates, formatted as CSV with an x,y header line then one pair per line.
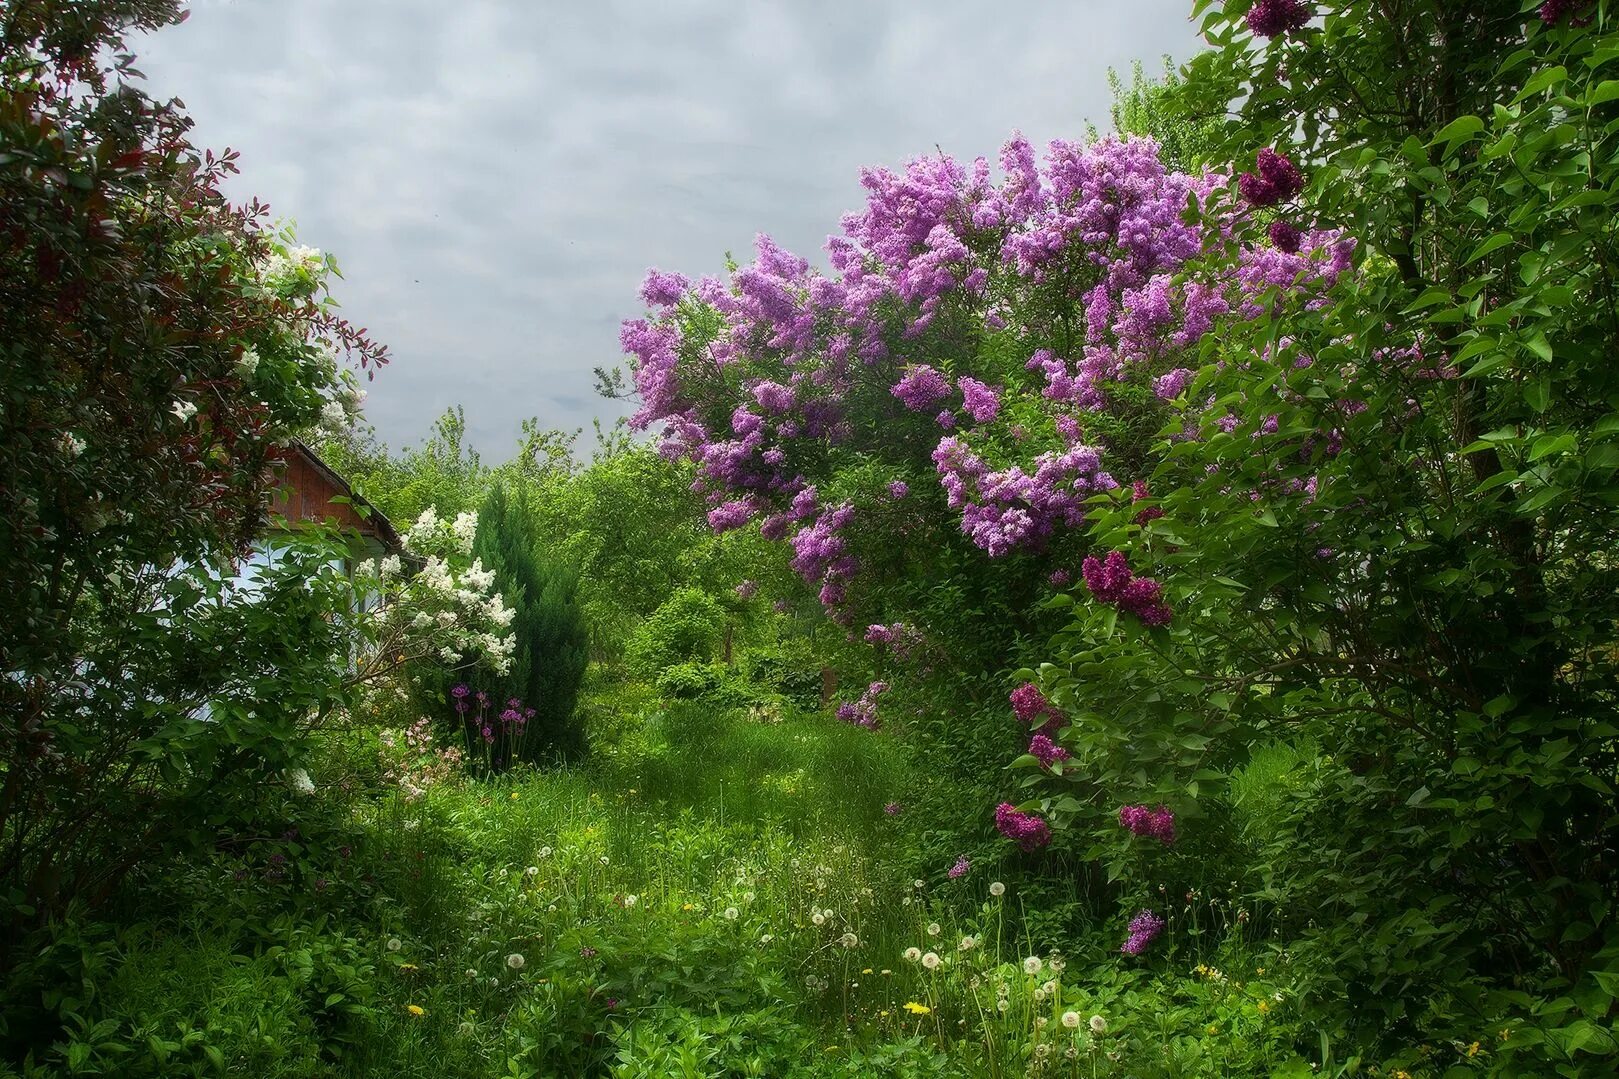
x,y
495,176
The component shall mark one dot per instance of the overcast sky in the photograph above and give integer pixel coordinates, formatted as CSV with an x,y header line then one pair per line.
x,y
495,176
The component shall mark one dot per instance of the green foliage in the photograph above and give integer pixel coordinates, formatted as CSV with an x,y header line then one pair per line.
x,y
549,662
1167,110
687,627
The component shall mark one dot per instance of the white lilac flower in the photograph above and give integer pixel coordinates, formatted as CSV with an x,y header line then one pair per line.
x,y
1032,965
515,961
997,889
1070,1020
247,364
183,410
333,417
931,961
1098,1025
70,444
390,567
465,529
299,779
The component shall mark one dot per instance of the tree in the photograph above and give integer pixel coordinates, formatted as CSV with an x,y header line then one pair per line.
x,y
552,644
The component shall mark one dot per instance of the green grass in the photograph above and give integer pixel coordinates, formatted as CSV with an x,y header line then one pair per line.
x,y
716,896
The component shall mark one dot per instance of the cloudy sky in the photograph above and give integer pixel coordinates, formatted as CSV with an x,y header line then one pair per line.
x,y
495,176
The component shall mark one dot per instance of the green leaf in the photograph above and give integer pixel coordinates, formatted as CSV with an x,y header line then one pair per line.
x,y
1494,243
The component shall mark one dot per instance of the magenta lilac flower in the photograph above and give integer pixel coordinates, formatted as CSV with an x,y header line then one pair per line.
x,y
1112,582
1156,824
1285,236
1044,750
1028,831
960,869
1144,929
921,388
981,401
863,712
1031,706
1277,180
1273,18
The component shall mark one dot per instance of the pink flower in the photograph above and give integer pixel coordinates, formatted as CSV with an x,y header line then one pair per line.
x,y
1028,831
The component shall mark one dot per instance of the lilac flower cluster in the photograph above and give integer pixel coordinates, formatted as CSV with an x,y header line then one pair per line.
x,y
921,388
1044,750
1031,706
1028,831
1144,929
1273,18
1552,11
962,867
863,712
1277,180
899,638
1006,509
1156,824
1112,582
982,403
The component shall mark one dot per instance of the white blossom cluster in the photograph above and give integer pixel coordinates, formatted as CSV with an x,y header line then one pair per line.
x,y
444,610
291,267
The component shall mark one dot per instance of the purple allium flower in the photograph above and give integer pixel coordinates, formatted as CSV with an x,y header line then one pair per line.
x,y
1144,929
1028,831
460,691
587,952
1044,750
893,809
488,735
1154,823
1286,237
1273,18
781,606
960,869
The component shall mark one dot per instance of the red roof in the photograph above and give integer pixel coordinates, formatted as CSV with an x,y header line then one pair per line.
x,y
306,492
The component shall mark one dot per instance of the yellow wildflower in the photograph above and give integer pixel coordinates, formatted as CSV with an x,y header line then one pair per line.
x,y
416,1009
1264,1006
867,970
1399,1073
514,796
917,1009
1473,1050
1505,1034
408,966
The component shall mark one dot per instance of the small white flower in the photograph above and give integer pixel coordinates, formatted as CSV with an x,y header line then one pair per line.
x,y
183,410
394,944
933,929
913,954
931,961
471,973
920,883
299,779
849,940
1002,1004
747,897
731,914
997,889
818,918
604,859
1070,1020
70,444
630,901
767,938
1098,1025
515,961
1032,965
247,364
545,852
967,944
531,872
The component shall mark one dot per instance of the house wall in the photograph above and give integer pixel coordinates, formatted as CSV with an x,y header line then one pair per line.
x,y
305,494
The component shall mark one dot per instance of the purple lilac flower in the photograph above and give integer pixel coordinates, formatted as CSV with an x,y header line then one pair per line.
x,y
1027,830
1552,12
1144,929
1168,386
980,401
1044,750
1273,18
898,489
1285,236
1112,582
1060,578
1277,181
1030,705
663,289
960,869
921,388
1156,824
